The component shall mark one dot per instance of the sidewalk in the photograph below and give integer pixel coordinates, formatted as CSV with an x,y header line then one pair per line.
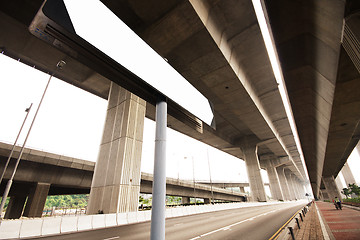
x,y
310,228
340,224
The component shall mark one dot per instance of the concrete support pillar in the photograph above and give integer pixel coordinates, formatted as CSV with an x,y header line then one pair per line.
x,y
207,200
347,174
323,194
301,190
308,190
275,187
185,200
331,188
15,207
242,189
339,185
36,200
249,148
290,184
116,182
283,182
296,186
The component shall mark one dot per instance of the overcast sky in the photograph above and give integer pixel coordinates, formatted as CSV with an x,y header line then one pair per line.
x,y
70,122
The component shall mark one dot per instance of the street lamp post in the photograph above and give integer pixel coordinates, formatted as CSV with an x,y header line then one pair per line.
x,y
13,147
59,66
211,185
193,166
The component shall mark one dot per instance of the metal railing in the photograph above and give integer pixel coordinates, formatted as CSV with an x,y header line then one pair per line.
x,y
292,224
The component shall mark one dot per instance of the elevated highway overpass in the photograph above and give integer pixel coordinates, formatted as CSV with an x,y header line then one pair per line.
x,y
218,47
57,175
249,117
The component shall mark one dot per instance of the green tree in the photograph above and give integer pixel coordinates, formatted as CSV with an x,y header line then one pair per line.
x,y
355,189
67,201
346,192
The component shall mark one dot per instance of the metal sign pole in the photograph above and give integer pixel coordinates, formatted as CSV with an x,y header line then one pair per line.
x,y
159,182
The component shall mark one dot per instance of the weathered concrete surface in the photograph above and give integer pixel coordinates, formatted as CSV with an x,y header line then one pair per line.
x,y
347,174
174,187
116,182
194,51
33,171
217,46
62,172
275,187
320,78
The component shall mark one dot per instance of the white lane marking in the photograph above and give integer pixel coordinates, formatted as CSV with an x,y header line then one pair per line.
x,y
178,224
231,225
112,238
325,233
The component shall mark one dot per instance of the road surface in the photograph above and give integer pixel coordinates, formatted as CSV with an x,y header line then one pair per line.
x,y
244,223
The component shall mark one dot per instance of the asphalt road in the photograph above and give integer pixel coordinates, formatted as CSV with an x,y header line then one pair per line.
x,y
255,223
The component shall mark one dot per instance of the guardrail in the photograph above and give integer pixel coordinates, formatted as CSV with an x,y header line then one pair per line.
x,y
47,226
292,224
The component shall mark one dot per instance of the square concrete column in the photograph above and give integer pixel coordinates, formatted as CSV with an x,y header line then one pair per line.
x,y
290,184
347,174
249,148
331,188
185,200
300,189
275,187
296,186
242,189
15,207
207,200
339,185
116,182
36,200
283,182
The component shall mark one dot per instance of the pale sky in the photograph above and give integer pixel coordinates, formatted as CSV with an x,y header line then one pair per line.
x,y
70,122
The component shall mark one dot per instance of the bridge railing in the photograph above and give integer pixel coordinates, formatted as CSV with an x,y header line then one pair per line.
x,y
292,225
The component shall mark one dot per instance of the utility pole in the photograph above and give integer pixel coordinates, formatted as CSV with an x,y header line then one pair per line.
x,y
193,165
211,185
59,66
13,147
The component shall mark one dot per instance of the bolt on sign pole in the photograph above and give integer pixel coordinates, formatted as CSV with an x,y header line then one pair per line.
x,y
159,182
59,66
13,147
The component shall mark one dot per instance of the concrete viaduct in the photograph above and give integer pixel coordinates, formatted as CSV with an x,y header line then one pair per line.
x,y
41,174
218,47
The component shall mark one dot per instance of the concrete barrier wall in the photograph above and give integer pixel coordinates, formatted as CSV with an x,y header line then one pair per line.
x,y
23,228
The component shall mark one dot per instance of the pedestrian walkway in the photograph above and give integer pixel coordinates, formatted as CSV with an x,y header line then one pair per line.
x,y
310,228
340,224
